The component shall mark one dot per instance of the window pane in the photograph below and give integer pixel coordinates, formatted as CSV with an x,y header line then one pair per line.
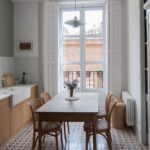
x,y
71,50
94,49
71,72
94,76
67,29
94,22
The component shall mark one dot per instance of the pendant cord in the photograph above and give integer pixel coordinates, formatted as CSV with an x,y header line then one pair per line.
x,y
75,7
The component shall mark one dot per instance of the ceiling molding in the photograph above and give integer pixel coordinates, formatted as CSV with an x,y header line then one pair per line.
x,y
26,1
64,1
80,2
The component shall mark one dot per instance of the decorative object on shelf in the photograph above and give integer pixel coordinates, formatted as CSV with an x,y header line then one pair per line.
x,y
25,45
3,82
23,78
71,86
8,79
75,22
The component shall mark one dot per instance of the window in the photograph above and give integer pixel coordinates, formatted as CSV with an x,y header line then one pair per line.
x,y
82,48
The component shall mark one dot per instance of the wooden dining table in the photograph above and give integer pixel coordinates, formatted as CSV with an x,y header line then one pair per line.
x,y
60,109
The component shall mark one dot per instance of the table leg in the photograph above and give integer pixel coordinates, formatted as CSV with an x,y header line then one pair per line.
x,y
94,133
39,133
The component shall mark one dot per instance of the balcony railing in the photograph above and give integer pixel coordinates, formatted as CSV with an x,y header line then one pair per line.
x,y
94,79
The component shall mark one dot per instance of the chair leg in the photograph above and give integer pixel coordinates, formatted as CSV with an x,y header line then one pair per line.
x,y
56,135
87,139
33,140
65,132
109,136
109,144
61,138
68,127
43,138
109,140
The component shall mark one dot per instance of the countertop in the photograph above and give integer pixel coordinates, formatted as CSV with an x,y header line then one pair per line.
x,y
17,93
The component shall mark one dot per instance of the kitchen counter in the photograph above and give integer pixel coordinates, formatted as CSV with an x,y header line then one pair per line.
x,y
15,112
3,96
17,93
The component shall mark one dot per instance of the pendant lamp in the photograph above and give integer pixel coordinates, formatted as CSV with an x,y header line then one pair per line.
x,y
75,23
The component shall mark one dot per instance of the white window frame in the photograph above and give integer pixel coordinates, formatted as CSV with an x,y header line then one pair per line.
x,y
82,38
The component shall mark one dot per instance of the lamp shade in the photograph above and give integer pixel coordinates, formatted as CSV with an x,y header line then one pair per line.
x,y
74,22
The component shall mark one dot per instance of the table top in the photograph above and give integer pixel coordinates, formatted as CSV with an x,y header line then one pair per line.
x,y
87,103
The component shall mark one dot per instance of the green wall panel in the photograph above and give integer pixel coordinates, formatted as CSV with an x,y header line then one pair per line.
x,y
6,28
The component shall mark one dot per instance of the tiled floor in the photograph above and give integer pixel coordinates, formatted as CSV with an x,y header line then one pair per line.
x,y
76,140
122,140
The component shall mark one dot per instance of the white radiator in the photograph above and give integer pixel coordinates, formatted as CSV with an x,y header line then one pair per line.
x,y
130,108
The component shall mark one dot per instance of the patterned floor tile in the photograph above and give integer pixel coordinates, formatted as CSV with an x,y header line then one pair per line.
x,y
124,139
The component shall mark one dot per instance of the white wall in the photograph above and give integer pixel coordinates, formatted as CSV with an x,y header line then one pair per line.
x,y
115,47
50,47
124,59
133,56
26,28
28,65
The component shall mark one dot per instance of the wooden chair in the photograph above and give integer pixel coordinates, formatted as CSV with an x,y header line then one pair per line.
x,y
102,112
103,125
45,96
50,128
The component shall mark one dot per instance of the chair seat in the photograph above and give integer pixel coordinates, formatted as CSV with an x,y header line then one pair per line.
x,y
49,126
101,113
102,124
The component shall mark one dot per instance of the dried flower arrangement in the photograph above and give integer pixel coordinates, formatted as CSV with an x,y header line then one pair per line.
x,y
71,86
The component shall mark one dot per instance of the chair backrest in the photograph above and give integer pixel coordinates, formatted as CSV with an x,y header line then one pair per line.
x,y
108,98
34,104
45,96
112,103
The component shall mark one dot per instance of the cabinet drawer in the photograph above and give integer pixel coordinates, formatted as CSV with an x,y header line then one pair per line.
x,y
4,127
16,118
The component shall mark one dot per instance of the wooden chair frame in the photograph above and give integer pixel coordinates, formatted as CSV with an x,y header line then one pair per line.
x,y
105,129
52,129
102,112
45,96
